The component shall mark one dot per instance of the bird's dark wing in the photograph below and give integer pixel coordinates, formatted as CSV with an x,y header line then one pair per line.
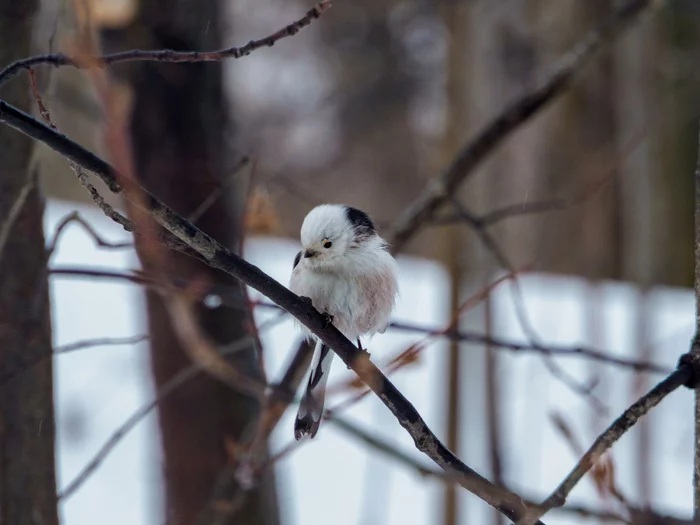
x,y
297,258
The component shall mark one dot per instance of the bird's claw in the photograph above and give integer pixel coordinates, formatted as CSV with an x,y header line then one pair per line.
x,y
328,318
306,300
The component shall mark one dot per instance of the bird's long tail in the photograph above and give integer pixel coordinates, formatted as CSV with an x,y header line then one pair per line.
x,y
311,405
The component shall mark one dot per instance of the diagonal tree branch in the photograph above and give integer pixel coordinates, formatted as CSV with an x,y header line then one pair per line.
x,y
167,55
511,118
217,256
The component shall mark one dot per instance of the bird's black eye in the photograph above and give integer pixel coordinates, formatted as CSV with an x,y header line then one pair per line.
x,y
327,244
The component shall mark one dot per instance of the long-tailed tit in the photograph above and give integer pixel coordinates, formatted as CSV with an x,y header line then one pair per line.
x,y
345,269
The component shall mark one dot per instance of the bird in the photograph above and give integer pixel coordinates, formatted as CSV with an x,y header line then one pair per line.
x,y
346,270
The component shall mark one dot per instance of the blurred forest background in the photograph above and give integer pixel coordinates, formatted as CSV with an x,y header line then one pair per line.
x,y
364,107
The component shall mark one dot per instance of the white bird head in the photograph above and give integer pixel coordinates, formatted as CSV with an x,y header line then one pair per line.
x,y
329,231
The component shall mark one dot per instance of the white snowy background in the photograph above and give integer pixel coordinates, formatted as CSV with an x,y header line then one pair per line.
x,y
334,479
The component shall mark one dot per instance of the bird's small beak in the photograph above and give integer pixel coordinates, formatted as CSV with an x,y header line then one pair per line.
x,y
309,253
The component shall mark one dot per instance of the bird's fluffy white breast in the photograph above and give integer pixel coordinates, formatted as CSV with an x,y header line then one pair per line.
x,y
358,291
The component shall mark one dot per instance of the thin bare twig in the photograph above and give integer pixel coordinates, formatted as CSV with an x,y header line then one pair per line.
x,y
74,217
106,208
136,277
217,192
18,203
249,310
564,351
103,341
99,200
492,246
486,238
510,211
493,406
168,55
33,361
682,376
511,118
385,448
230,296
13,213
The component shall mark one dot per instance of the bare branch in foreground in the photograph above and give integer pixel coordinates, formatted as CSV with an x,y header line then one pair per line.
x,y
511,118
106,208
168,55
239,477
686,374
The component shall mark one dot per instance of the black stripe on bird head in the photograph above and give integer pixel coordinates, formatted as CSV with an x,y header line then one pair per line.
x,y
361,222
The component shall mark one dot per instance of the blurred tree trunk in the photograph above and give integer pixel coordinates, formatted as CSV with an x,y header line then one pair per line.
x,y
455,252
659,193
503,46
178,125
580,148
27,475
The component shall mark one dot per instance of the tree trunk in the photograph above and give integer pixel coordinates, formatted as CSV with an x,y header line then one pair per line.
x,y
27,475
178,126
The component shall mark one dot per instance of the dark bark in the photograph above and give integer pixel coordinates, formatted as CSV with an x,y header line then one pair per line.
x,y
178,124
27,476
